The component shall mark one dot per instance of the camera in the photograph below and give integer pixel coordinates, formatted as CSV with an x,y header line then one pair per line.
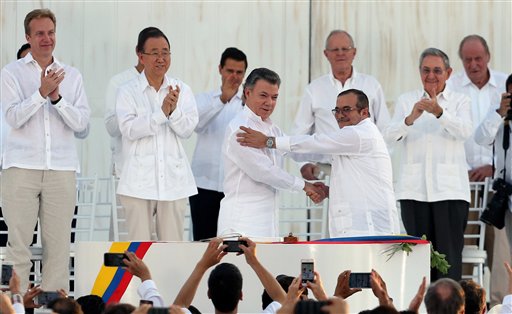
x,y
359,280
233,245
307,270
494,213
114,259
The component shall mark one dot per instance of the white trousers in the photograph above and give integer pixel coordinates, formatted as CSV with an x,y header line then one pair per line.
x,y
50,195
141,214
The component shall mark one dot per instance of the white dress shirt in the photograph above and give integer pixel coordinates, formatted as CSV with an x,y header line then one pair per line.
x,y
433,162
214,117
491,131
155,165
361,200
41,135
111,123
252,178
481,100
148,291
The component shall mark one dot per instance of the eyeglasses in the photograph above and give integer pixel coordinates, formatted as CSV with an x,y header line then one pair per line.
x,y
342,49
343,110
427,71
162,54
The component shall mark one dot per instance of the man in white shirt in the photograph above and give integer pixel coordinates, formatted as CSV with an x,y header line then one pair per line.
x,y
431,125
314,114
154,111
216,109
362,201
484,86
44,103
252,177
111,123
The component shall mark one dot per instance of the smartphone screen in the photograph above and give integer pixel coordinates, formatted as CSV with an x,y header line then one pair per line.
x,y
307,270
359,280
46,297
233,246
6,274
114,259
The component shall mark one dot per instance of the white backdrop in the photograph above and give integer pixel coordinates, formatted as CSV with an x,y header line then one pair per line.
x,y
98,37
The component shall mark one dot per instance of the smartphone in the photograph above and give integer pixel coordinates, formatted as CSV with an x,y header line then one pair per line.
x,y
46,297
145,302
359,280
159,310
307,268
233,245
6,273
114,259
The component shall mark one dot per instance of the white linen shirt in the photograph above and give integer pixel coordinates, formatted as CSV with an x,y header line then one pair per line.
x,y
481,101
252,178
155,165
214,117
433,162
491,131
111,124
361,200
41,135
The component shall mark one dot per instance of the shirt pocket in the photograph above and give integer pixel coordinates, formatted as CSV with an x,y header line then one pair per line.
x,y
341,218
448,177
410,177
177,169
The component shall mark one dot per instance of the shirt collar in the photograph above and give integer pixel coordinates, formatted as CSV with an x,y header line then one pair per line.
x,y
445,94
492,79
334,81
238,94
143,81
251,115
54,65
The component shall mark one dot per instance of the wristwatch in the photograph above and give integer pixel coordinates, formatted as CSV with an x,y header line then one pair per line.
x,y
270,142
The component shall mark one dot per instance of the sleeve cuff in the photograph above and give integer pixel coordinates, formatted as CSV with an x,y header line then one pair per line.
x,y
283,143
159,117
145,286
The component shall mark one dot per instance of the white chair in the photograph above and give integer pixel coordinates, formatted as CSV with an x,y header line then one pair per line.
x,y
299,215
475,254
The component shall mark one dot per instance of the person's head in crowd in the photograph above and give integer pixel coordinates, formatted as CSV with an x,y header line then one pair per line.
x,y
352,106
65,306
91,304
285,282
508,84
434,70
445,296
381,309
154,53
340,51
261,90
225,287
119,308
232,67
40,26
474,297
475,55
23,51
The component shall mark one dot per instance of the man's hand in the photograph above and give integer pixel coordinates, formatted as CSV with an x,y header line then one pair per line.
x,y
509,271
170,101
505,104
295,290
479,174
418,298
308,171
251,138
343,289
417,111
317,288
249,251
28,297
228,89
322,186
379,289
50,83
14,282
213,254
136,266
315,193
6,305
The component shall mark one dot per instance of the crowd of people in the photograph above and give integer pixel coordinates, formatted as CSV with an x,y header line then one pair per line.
x,y
445,134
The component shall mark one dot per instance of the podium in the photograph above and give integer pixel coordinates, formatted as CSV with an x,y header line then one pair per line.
x,y
171,263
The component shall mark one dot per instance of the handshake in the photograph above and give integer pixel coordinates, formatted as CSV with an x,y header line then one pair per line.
x,y
317,191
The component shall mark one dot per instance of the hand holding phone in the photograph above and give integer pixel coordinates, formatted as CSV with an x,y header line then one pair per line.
x,y
359,280
233,245
6,273
114,259
46,297
307,270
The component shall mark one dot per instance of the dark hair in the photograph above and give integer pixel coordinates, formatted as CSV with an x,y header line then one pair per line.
x,y
285,282
65,306
381,309
225,287
445,296
38,14
261,74
362,99
91,304
436,53
145,34
474,296
474,37
119,308
508,82
22,49
233,53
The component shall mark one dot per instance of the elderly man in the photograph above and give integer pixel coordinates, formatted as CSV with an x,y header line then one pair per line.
x,y
484,86
216,109
252,177
314,114
44,103
153,112
362,201
432,124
